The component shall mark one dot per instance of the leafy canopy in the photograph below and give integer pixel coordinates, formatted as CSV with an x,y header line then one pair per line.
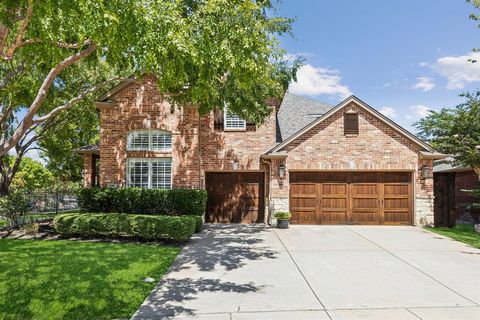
x,y
456,131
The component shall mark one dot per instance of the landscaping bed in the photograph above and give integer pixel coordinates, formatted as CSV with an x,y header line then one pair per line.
x,y
78,280
462,232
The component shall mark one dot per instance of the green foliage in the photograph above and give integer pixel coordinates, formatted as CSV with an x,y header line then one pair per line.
x,y
456,131
143,201
163,227
148,227
283,215
198,222
67,280
14,206
32,175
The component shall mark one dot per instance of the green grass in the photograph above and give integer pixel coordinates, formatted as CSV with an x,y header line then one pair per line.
x,y
462,232
63,279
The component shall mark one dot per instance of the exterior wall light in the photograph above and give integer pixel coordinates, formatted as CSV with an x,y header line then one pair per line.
x,y
281,170
426,172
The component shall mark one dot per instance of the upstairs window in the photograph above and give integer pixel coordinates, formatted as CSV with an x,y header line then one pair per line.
x,y
350,123
149,140
232,121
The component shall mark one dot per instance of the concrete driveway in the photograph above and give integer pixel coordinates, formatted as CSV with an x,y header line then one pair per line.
x,y
319,272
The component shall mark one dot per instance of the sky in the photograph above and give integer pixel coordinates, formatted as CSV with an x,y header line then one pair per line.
x,y
402,57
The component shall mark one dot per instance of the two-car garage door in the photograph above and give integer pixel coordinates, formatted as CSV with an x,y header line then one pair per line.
x,y
351,197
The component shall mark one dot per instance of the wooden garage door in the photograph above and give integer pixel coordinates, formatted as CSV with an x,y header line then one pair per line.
x,y
351,197
235,197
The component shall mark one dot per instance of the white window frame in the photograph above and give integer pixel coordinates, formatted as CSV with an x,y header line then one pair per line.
x,y
239,124
149,161
150,133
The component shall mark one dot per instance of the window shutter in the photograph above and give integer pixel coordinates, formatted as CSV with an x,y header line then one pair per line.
x,y
351,123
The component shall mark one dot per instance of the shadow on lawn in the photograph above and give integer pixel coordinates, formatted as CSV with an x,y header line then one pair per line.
x,y
72,280
226,247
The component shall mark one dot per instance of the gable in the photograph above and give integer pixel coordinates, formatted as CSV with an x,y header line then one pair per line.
x,y
354,104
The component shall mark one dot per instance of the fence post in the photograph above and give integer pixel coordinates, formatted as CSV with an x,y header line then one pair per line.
x,y
56,201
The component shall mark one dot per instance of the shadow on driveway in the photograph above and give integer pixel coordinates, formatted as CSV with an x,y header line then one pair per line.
x,y
217,249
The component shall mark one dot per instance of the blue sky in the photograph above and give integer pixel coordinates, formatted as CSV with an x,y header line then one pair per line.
x,y
402,57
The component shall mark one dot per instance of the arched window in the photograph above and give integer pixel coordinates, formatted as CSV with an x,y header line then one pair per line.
x,y
149,140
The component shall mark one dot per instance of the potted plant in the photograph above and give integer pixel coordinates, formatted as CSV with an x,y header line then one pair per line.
x,y
283,219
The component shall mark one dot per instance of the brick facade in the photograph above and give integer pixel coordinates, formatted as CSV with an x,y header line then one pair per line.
x,y
377,147
198,146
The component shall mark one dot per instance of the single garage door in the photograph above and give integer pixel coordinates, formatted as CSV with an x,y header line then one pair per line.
x,y
235,197
351,197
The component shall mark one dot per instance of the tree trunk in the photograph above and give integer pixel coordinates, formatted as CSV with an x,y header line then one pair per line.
x,y
4,187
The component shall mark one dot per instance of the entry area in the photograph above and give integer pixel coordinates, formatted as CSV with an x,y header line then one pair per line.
x,y
374,198
235,197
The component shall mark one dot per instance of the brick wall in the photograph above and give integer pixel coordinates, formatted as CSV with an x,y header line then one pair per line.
x,y
141,106
465,180
376,147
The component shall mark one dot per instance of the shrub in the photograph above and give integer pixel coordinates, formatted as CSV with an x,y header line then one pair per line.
x,y
143,201
163,227
198,222
14,206
283,215
149,227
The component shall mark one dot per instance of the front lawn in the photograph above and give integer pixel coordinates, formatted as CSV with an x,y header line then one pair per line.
x,y
77,280
462,232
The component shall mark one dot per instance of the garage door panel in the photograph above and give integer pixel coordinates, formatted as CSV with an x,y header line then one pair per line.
x,y
333,217
304,217
352,197
235,197
334,189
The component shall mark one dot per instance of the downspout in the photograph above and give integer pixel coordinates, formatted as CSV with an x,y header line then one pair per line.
x,y
268,193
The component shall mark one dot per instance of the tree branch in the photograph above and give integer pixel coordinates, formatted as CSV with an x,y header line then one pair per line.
x,y
11,75
27,121
74,100
20,33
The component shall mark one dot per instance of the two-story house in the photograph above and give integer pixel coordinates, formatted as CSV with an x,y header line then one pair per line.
x,y
326,164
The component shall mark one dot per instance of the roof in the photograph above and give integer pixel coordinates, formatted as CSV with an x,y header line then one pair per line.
x,y
368,108
91,148
447,165
296,112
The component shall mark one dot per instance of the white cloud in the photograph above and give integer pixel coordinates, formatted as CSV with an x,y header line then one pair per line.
x,y
314,81
388,112
290,57
424,84
418,111
423,64
458,70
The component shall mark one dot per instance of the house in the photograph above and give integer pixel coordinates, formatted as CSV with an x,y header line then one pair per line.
x,y
343,164
451,201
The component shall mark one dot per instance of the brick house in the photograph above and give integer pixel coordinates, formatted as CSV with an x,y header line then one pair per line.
x,y
326,164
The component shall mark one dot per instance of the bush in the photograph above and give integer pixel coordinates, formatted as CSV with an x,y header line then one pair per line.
x,y
143,201
198,222
129,225
14,206
283,215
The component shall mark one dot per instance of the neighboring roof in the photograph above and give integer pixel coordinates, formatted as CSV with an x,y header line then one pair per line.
x,y
362,104
447,165
91,148
296,112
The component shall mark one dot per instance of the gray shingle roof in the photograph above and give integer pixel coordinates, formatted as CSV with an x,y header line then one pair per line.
x,y
87,149
296,112
448,165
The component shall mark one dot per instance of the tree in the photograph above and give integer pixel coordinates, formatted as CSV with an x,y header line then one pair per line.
x,y
55,54
32,175
456,131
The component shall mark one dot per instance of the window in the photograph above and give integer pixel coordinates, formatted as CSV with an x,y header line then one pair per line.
x,y
149,140
233,121
149,173
350,123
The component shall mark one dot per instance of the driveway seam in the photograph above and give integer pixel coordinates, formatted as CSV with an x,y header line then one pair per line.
x,y
301,273
413,266
414,314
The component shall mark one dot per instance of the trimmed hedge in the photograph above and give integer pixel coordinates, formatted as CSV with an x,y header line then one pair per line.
x,y
178,228
143,201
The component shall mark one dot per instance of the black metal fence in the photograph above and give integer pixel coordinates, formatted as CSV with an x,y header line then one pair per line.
x,y
56,201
